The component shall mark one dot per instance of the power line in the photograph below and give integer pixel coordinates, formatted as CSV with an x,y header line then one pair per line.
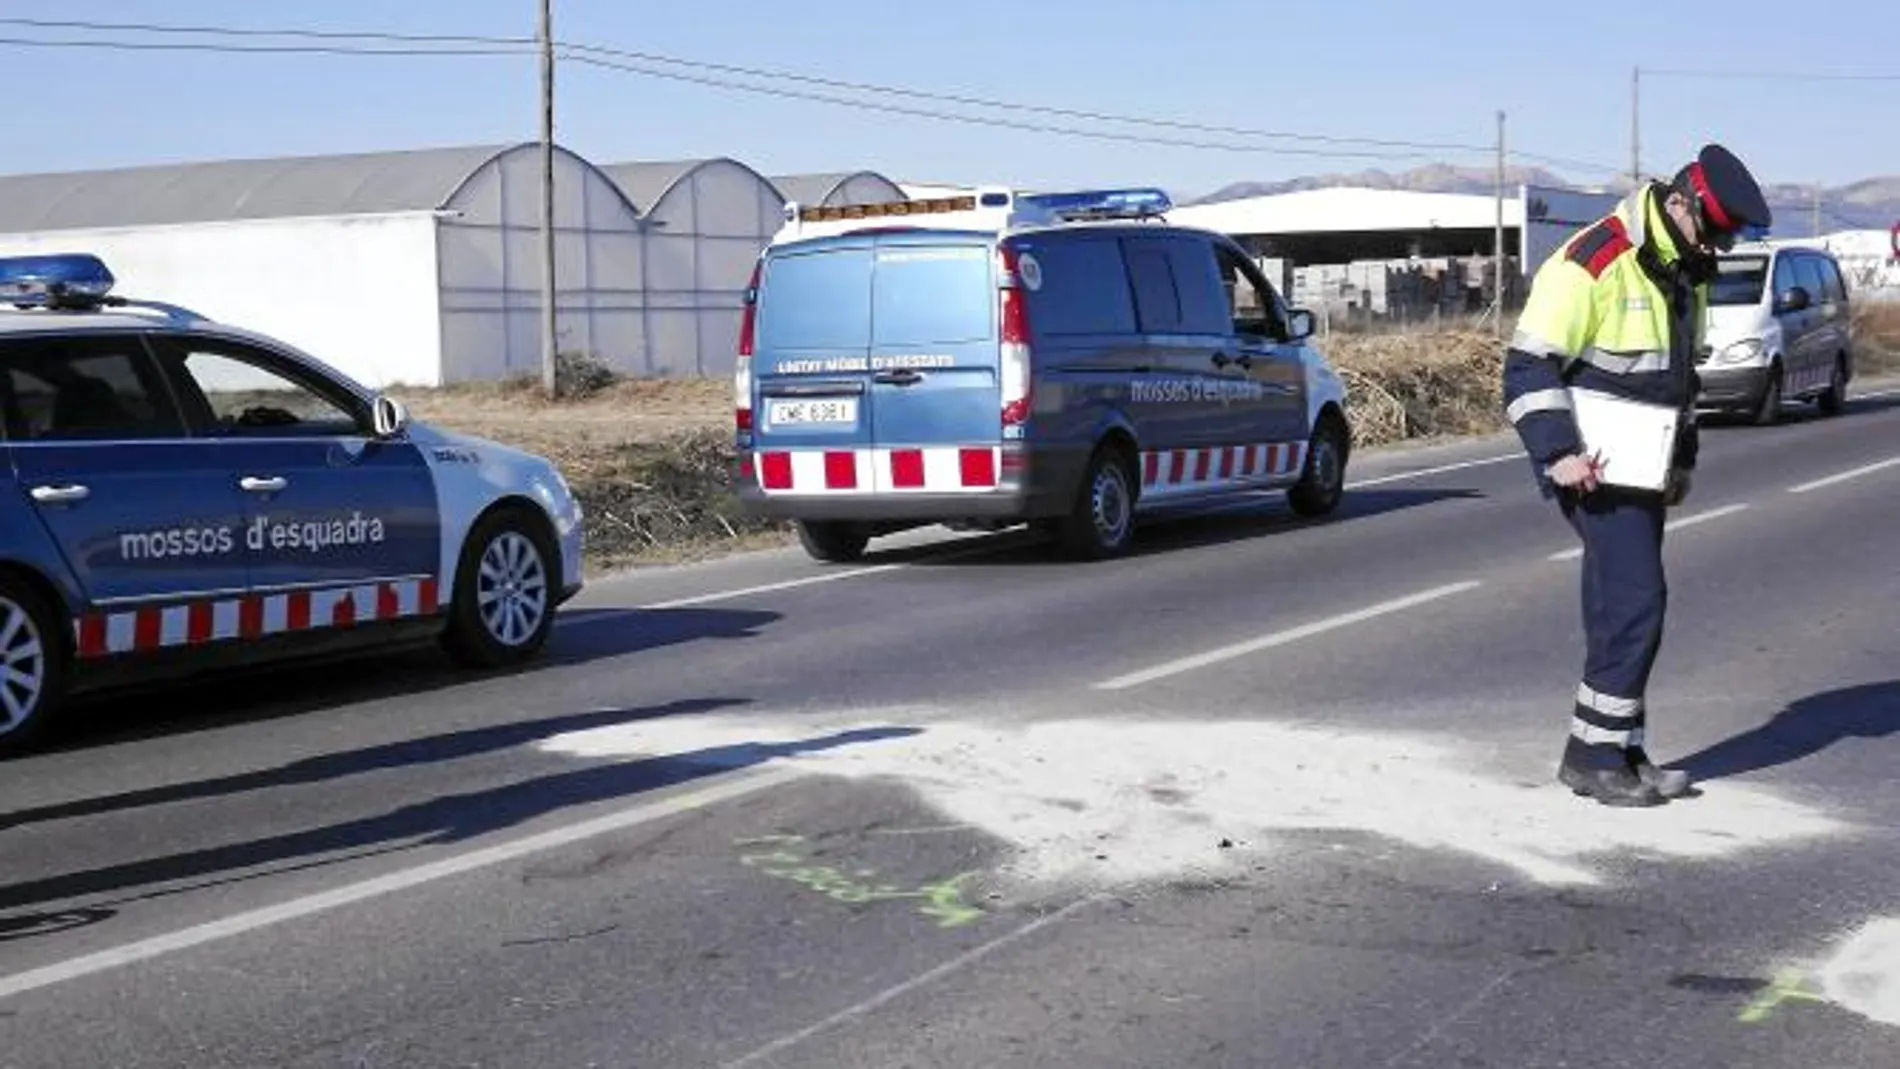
x,y
589,54
1775,76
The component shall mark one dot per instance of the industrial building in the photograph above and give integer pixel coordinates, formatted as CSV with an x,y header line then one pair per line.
x,y
1378,254
424,267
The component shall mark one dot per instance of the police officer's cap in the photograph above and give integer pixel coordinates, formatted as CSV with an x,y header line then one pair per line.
x,y
1730,198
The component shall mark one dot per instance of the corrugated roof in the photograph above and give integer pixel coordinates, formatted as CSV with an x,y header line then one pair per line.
x,y
354,184
645,183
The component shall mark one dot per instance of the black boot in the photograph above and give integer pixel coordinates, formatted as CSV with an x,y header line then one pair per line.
x,y
1668,782
1615,783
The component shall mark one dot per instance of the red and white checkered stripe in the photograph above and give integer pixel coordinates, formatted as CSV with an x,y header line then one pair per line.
x,y
948,469
1166,471
194,623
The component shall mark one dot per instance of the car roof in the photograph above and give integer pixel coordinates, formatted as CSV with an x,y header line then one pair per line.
x,y
23,323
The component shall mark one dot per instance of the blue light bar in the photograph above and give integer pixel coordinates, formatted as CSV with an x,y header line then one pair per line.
x,y
57,280
1101,203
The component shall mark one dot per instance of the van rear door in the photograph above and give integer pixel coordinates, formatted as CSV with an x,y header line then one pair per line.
x,y
876,365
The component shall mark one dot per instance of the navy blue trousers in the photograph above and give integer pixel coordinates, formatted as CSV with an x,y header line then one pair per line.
x,y
1624,596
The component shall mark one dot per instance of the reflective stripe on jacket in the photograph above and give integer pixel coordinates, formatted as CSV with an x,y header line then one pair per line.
x,y
1597,317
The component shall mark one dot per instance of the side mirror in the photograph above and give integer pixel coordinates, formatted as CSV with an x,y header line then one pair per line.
x,y
388,417
1299,324
1796,299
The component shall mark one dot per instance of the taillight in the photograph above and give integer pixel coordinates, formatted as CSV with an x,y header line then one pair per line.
x,y
742,367
1013,339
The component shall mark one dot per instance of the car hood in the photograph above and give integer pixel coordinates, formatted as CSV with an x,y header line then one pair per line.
x,y
1728,324
427,434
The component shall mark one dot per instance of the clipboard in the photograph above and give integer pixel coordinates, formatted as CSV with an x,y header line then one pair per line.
x,y
1637,439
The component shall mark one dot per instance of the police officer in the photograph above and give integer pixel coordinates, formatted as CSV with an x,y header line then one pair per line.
x,y
1619,309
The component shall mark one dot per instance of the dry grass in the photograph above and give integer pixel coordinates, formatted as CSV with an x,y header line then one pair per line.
x,y
652,460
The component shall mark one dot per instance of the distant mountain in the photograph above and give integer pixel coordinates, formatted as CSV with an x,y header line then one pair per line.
x,y
1870,202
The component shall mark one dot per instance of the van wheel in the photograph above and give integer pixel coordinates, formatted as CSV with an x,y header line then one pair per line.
x,y
1768,411
1102,522
1835,399
1323,482
32,666
503,606
834,543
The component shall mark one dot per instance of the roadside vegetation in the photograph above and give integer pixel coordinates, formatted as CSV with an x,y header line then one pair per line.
x,y
652,458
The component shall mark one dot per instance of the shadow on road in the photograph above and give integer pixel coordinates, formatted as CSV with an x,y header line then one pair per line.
x,y
1804,729
1186,527
259,694
437,821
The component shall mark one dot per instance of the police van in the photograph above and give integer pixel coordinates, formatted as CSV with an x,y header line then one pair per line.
x,y
1066,360
179,495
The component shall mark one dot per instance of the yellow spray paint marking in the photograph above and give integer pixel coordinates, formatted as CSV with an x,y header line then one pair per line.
x,y
1789,985
941,901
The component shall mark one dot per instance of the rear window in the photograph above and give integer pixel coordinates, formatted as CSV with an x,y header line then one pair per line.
x,y
1084,288
856,298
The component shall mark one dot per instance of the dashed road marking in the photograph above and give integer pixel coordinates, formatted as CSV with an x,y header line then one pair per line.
x,y
1281,638
1840,477
1674,525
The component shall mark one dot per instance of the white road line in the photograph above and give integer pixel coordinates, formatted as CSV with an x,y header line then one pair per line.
x,y
1281,638
1844,476
1674,525
1440,470
915,982
348,894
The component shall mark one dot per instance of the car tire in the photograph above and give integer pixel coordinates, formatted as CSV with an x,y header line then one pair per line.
x,y
1834,398
33,666
502,607
833,542
1101,524
1768,407
1323,479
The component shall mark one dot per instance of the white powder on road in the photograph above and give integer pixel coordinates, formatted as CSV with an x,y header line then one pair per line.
x,y
1864,975
1154,799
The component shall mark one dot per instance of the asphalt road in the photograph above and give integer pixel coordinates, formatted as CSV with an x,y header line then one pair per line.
x,y
1267,793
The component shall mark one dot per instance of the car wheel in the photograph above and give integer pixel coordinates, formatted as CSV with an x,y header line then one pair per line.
x,y
1835,398
503,605
833,543
1323,481
1768,410
32,666
1102,522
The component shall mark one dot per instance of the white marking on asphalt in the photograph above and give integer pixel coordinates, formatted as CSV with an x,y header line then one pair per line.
x,y
1440,470
348,894
1674,525
1845,475
1280,638
899,990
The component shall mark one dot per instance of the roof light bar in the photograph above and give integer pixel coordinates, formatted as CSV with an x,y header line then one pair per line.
x,y
55,280
1101,203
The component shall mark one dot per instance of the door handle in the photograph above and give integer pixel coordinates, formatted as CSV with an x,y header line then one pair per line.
x,y
899,377
53,495
253,483
1245,362
1220,360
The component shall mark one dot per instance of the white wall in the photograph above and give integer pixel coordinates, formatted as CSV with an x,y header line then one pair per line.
x,y
491,270
703,238
356,292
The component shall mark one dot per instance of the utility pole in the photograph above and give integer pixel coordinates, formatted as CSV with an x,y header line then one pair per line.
x,y
549,337
1497,243
1636,151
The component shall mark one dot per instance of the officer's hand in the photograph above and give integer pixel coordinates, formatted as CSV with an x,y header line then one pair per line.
x,y
1677,488
1576,472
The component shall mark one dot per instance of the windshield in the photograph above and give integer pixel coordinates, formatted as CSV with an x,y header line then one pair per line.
x,y
1739,280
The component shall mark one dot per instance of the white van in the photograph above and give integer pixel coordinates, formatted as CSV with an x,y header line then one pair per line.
x,y
1777,330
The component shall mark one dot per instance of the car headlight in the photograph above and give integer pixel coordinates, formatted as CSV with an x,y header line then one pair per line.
x,y
1746,351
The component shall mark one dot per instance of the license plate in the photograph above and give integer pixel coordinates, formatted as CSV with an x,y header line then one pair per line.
x,y
822,411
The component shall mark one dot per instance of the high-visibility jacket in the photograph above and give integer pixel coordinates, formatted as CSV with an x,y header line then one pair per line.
x,y
1610,310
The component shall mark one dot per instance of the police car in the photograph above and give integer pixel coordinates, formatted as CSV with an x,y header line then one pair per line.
x,y
180,495
1064,360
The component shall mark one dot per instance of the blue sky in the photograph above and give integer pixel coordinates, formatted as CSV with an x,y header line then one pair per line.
x,y
1414,73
